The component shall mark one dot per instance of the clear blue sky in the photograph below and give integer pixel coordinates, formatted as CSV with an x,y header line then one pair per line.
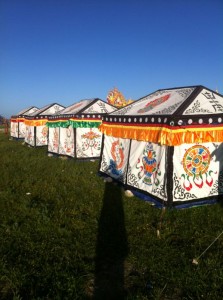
x,y
67,50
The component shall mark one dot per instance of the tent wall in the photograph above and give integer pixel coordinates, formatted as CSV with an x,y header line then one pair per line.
x,y
66,141
197,171
138,165
41,135
18,129
114,159
30,135
88,142
53,140
172,175
14,130
147,168
36,135
22,129
77,142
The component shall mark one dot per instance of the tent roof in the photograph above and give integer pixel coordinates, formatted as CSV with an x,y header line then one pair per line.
x,y
176,102
170,116
47,110
76,107
27,111
87,107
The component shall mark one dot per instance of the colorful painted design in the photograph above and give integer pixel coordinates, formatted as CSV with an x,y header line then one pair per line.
x,y
69,143
29,135
55,138
91,141
196,160
44,133
150,105
117,161
149,167
196,163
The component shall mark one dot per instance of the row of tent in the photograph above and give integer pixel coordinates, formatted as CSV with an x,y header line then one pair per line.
x,y
71,131
166,147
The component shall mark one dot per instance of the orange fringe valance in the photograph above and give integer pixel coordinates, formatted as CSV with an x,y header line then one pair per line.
x,y
35,122
164,135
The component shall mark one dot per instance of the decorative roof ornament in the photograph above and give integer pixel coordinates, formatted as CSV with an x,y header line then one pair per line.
x,y
116,98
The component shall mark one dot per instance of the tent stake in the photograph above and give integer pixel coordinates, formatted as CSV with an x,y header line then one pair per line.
x,y
195,260
160,222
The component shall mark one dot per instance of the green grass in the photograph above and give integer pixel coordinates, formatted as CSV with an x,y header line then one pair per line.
x,y
65,234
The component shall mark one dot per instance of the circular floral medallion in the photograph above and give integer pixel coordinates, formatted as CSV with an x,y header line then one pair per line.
x,y
196,160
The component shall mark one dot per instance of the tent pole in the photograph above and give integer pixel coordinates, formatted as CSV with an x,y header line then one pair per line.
x,y
75,145
34,136
130,145
169,168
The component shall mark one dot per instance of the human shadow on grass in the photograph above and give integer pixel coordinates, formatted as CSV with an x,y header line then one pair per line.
x,y
111,247
217,154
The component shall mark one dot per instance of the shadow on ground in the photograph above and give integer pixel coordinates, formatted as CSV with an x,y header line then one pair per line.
x,y
111,247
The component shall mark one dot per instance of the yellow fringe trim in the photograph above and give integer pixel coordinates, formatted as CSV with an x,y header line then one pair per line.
x,y
164,136
35,122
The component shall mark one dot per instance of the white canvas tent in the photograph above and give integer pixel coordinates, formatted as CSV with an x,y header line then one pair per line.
x,y
36,129
168,146
74,132
17,125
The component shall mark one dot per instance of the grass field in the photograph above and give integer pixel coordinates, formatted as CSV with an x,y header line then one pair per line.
x,y
66,234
